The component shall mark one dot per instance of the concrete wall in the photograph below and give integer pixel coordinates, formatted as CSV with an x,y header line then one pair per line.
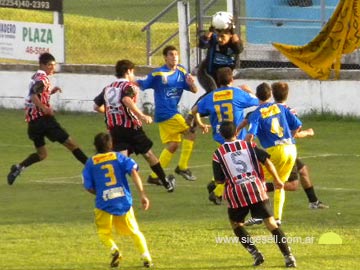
x,y
340,96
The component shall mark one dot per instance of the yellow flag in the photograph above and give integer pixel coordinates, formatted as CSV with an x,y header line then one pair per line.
x,y
341,35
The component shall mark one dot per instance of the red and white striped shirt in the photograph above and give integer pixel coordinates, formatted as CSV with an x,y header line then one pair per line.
x,y
237,164
32,112
116,113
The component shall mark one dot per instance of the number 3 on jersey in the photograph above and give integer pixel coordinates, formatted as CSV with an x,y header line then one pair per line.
x,y
110,174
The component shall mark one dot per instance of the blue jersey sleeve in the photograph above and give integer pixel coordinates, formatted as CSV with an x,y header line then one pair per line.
x,y
88,181
146,83
127,164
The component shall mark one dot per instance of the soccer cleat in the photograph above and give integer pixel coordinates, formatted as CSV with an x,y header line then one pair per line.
x,y
258,258
170,183
187,174
154,181
318,205
211,186
115,260
15,171
290,261
148,264
278,222
253,221
215,199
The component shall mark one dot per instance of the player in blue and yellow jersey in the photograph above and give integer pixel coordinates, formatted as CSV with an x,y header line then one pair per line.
x,y
168,83
275,126
226,103
104,175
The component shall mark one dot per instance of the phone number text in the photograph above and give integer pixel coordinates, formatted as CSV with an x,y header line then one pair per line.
x,y
26,4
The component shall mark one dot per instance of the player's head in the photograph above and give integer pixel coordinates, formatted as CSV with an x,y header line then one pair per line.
x,y
222,20
47,63
103,142
263,91
171,56
227,130
224,76
223,24
280,91
124,68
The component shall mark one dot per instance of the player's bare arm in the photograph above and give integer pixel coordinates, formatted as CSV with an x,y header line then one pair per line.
x,y
99,109
205,128
132,106
140,188
249,137
55,90
191,82
272,170
304,133
45,109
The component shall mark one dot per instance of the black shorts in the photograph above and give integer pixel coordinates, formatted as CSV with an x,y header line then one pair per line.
x,y
258,210
132,140
295,170
48,127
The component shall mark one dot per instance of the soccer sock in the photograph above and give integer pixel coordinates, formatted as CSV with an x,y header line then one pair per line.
x,y
279,200
80,156
158,170
269,186
310,193
31,159
219,190
281,241
245,240
140,244
186,150
165,158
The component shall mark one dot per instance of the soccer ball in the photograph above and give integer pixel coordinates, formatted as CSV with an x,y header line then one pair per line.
x,y
222,20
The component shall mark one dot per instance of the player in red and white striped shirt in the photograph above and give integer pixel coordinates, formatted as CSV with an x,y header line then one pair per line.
x,y
123,120
41,120
236,163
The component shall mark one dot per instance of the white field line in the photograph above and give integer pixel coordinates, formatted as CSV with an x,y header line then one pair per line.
x,y
184,183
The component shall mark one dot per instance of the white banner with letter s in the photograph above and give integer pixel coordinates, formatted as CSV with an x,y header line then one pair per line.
x,y
26,41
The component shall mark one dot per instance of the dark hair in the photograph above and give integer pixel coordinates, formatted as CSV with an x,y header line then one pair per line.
x,y
263,91
280,91
227,129
122,66
45,58
168,49
224,76
103,142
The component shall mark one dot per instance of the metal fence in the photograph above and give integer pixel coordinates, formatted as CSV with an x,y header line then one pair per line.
x,y
139,29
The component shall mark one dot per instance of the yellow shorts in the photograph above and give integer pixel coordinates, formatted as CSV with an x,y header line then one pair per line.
x,y
283,156
172,130
124,225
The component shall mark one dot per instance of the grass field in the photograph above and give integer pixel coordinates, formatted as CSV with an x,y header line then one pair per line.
x,y
103,31
47,219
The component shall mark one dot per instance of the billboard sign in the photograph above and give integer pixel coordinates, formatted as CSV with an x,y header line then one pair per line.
x,y
26,41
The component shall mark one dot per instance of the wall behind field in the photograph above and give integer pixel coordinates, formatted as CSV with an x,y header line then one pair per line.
x,y
341,96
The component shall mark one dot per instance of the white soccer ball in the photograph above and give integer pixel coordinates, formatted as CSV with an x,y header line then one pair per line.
x,y
222,20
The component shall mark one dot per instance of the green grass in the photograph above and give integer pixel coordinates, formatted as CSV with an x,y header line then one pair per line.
x,y
47,218
103,31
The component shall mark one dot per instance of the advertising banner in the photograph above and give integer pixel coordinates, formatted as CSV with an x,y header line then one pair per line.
x,y
26,41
